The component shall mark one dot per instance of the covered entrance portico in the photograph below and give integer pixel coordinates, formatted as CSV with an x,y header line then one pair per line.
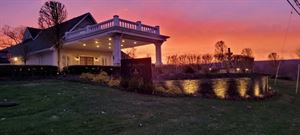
x,y
104,41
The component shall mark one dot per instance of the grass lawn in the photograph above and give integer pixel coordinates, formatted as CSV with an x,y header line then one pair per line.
x,y
62,107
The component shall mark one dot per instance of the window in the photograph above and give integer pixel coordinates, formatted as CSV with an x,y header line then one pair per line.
x,y
86,60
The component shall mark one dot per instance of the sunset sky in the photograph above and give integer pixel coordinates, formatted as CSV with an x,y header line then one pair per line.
x,y
193,25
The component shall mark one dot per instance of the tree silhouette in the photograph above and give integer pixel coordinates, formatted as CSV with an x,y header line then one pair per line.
x,y
247,52
11,35
51,15
274,58
207,58
220,52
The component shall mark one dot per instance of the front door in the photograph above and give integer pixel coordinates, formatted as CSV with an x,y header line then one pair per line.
x,y
86,60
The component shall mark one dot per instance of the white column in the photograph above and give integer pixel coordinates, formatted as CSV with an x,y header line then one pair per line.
x,y
117,50
158,53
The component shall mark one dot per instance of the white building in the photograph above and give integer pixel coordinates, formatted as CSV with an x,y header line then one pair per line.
x,y
86,42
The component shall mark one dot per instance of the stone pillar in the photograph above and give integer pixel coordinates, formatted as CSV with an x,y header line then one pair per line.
x,y
117,50
158,53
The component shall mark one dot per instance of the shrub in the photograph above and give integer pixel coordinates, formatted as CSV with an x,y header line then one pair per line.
x,y
135,84
114,83
102,78
87,76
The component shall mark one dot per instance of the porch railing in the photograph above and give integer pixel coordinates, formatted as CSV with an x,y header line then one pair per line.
x,y
115,22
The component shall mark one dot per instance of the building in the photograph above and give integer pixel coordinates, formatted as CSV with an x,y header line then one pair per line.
x,y
86,42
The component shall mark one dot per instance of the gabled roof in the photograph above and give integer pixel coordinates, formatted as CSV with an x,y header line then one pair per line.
x,y
33,31
41,39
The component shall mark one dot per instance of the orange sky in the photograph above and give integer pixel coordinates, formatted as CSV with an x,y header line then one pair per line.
x,y
193,25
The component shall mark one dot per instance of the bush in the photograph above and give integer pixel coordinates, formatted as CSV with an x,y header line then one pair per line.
x,y
114,83
87,76
94,69
135,84
27,70
102,78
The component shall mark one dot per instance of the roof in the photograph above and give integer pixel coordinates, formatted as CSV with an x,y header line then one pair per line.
x,y
33,31
41,39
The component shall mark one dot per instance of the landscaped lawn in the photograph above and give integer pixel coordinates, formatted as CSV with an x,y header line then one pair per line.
x,y
62,107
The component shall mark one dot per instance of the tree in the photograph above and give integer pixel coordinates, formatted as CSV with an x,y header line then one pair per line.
x,y
274,58
11,35
247,52
207,58
220,50
51,15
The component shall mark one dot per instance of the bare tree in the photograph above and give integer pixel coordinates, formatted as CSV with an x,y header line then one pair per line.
x,y
11,35
274,57
247,52
220,52
51,15
207,58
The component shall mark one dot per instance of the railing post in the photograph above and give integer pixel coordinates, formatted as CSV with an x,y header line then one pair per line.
x,y
116,20
88,28
139,25
157,31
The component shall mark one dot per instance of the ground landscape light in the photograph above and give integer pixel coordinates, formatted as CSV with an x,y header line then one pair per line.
x,y
15,58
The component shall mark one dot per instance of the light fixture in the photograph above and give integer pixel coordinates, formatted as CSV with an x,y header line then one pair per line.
x,y
123,41
122,45
109,43
15,58
77,58
97,46
135,42
109,39
109,47
96,42
84,44
238,69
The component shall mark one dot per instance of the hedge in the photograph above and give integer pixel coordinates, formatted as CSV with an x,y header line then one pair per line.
x,y
27,70
79,69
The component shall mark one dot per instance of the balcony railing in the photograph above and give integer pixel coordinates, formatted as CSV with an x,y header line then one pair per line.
x,y
115,22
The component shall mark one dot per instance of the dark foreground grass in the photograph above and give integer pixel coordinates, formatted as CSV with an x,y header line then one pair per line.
x,y
61,107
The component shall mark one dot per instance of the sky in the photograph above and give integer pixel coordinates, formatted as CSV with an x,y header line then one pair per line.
x,y
194,25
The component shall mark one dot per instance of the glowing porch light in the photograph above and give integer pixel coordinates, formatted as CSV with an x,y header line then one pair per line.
x,y
15,58
246,69
97,46
96,42
135,42
109,43
238,69
76,58
109,47
210,69
83,44
122,45
109,39
123,41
